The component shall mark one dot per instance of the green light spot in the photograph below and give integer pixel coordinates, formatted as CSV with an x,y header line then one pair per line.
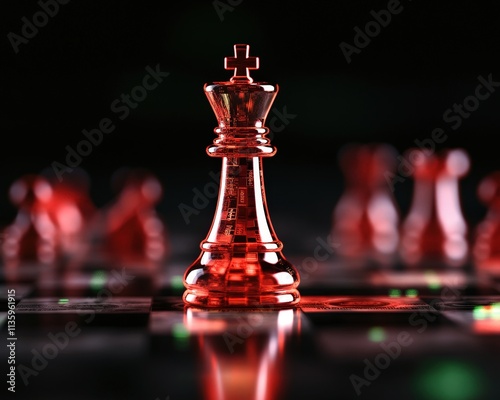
x,y
433,281
394,292
181,335
449,380
63,301
179,331
177,282
486,312
98,280
412,293
376,334
479,312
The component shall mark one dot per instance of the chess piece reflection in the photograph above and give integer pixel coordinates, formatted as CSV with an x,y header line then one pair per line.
x,y
435,230
486,241
241,263
242,355
133,233
366,218
31,239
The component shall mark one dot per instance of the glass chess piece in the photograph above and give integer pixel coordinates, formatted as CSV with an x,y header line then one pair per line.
x,y
435,230
241,263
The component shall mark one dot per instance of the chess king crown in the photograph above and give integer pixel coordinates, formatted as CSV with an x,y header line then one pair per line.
x,y
241,107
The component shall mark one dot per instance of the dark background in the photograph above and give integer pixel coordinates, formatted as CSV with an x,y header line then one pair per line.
x,y
395,90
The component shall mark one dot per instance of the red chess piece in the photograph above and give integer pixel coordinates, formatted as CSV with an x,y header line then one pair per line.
x,y
241,263
435,230
32,236
133,231
486,241
365,223
71,210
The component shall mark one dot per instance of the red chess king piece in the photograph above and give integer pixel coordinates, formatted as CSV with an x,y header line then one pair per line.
x,y
241,263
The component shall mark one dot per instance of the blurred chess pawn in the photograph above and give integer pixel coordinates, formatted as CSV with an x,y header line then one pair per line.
x,y
366,217
133,232
486,239
32,237
435,230
71,209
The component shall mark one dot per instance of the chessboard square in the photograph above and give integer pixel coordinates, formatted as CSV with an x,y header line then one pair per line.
x,y
315,304
82,305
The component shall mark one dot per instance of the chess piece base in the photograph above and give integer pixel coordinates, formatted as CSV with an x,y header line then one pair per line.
x,y
238,282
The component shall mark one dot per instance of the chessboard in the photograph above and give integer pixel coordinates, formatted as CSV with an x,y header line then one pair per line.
x,y
104,332
92,297
101,316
